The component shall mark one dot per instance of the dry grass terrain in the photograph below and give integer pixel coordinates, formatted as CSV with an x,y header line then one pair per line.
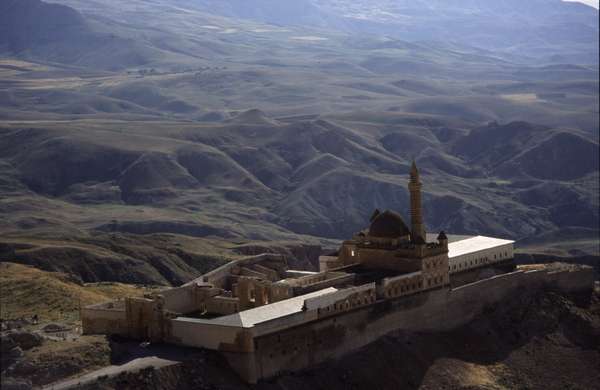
x,y
57,360
53,296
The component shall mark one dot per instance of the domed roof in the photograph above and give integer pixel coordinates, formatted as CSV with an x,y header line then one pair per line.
x,y
388,225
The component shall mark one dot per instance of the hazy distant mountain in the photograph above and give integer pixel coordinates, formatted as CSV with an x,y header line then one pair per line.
x,y
207,120
32,29
554,30
533,31
297,12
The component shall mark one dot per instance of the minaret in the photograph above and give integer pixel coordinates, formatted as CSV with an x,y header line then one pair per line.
x,y
416,212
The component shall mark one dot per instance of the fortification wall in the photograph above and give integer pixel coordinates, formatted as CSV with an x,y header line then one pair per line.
x,y
483,272
402,285
218,275
482,258
180,299
386,259
195,333
100,320
434,310
330,280
342,300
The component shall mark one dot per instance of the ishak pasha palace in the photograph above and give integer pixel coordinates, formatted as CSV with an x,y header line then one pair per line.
x,y
267,319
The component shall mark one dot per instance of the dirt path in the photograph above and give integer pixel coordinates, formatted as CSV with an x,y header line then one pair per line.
x,y
112,371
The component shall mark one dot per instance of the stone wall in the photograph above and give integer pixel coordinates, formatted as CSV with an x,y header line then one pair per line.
x,y
141,318
401,285
328,262
342,300
222,305
198,333
217,277
434,310
100,319
481,258
386,259
435,271
484,272
322,281
180,299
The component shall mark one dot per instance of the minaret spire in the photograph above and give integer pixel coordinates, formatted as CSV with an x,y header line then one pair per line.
x,y
416,211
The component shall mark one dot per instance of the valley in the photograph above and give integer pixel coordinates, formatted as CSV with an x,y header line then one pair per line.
x,y
222,125
147,142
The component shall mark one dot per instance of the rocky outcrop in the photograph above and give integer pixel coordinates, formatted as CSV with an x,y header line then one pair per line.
x,y
24,340
15,384
13,343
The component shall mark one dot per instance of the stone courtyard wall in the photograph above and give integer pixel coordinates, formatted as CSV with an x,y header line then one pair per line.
x,y
100,319
180,299
198,333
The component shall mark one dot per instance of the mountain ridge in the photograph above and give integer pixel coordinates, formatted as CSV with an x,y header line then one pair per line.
x,y
238,129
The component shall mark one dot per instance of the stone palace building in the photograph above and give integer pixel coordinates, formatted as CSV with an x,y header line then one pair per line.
x,y
265,318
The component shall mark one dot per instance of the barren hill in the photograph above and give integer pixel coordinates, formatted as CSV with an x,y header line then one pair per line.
x,y
200,119
320,178
57,33
145,142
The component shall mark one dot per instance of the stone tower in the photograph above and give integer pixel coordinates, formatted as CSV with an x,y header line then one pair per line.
x,y
418,234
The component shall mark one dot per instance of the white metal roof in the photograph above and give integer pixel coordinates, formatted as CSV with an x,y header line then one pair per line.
x,y
251,317
474,244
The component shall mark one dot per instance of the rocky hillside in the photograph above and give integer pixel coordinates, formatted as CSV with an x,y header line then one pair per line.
x,y
57,33
153,260
199,118
490,25
279,180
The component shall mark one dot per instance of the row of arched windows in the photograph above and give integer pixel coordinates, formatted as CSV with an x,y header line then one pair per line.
x,y
403,288
434,264
359,300
477,261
